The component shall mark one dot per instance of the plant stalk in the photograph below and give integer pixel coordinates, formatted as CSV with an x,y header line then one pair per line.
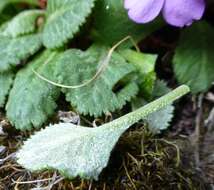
x,y
129,119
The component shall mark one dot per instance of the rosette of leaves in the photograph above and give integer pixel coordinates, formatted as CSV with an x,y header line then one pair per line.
x,y
24,35
25,107
73,150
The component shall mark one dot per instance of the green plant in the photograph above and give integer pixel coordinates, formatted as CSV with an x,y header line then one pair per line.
x,y
76,150
74,48
25,34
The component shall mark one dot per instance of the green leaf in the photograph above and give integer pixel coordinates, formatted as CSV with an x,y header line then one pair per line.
x,y
159,120
145,64
75,67
23,23
6,80
4,3
64,19
112,23
15,50
32,100
193,61
81,151
160,88
2,27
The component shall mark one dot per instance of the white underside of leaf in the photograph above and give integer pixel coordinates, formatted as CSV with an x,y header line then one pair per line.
x,y
159,120
73,150
81,151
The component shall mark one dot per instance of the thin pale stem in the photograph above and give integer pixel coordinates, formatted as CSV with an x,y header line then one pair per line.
x,y
129,119
103,66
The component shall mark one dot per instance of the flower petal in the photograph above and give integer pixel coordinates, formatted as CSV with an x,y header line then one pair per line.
x,y
143,11
128,4
183,12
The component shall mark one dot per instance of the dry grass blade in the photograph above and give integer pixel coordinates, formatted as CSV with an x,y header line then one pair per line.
x,y
102,67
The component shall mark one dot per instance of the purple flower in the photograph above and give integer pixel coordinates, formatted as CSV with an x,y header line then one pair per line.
x,y
176,12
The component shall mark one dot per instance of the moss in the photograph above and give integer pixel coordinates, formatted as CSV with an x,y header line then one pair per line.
x,y
139,161
151,163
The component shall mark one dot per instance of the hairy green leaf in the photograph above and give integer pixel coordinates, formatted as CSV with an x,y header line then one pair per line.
x,y
145,64
23,23
14,50
193,61
112,23
6,80
31,100
81,151
64,19
160,88
159,120
100,96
